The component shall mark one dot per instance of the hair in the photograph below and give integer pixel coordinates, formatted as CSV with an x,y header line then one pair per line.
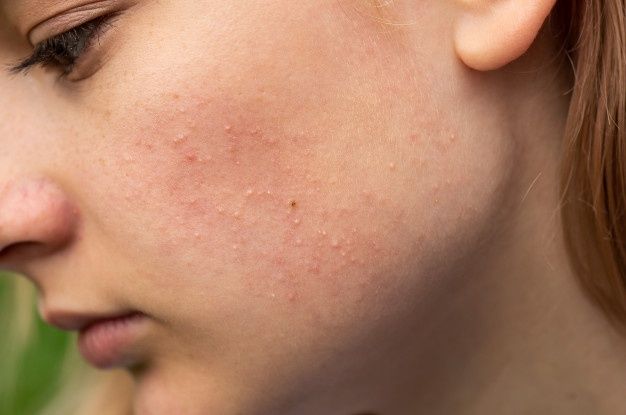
x,y
593,187
593,181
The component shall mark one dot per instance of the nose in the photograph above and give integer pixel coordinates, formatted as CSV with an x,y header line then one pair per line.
x,y
36,219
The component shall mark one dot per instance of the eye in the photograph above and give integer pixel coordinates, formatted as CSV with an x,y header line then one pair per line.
x,y
64,50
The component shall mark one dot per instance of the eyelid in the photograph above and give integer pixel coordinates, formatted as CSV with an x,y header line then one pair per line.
x,y
67,20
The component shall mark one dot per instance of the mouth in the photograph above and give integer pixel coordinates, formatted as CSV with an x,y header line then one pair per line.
x,y
107,343
104,340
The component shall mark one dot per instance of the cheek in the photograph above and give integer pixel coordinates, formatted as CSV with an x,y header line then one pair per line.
x,y
232,192
289,181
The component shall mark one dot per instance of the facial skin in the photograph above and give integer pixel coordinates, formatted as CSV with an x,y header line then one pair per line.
x,y
288,190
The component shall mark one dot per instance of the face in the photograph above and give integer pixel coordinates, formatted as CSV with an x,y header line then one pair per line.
x,y
285,189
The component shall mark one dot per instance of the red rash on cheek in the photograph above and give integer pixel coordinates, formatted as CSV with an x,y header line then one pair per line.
x,y
230,192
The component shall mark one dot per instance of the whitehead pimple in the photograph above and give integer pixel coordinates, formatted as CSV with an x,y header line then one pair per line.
x,y
180,138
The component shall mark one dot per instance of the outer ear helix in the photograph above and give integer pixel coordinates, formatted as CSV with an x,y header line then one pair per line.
x,y
489,34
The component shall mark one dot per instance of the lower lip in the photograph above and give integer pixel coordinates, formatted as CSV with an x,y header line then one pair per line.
x,y
106,344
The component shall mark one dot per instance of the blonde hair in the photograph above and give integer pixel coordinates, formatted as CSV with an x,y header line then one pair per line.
x,y
593,191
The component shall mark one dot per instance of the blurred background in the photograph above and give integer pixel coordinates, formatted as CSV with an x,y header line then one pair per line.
x,y
32,354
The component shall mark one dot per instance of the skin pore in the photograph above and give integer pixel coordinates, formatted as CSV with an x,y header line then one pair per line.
x,y
318,213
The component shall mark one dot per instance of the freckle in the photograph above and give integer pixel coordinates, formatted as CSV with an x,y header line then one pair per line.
x,y
293,203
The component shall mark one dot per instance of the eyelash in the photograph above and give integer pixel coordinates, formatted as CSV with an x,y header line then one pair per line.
x,y
63,50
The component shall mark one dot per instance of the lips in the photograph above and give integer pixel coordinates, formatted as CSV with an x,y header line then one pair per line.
x,y
105,341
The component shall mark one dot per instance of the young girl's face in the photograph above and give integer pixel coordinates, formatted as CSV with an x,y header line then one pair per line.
x,y
281,187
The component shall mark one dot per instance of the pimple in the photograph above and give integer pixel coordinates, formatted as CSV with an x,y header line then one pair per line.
x,y
191,157
392,166
414,138
180,137
141,143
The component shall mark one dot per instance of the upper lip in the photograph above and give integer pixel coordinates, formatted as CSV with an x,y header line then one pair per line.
x,y
78,321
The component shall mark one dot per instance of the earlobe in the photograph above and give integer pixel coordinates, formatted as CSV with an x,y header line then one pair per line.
x,y
490,34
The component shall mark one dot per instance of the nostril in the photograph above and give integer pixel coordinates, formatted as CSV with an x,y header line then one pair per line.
x,y
25,248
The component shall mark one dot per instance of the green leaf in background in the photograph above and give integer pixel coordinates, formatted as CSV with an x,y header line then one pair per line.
x,y
28,377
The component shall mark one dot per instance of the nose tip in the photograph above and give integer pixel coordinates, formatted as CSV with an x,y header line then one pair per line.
x,y
36,216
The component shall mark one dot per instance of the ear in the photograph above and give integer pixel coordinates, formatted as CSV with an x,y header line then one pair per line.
x,y
492,33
